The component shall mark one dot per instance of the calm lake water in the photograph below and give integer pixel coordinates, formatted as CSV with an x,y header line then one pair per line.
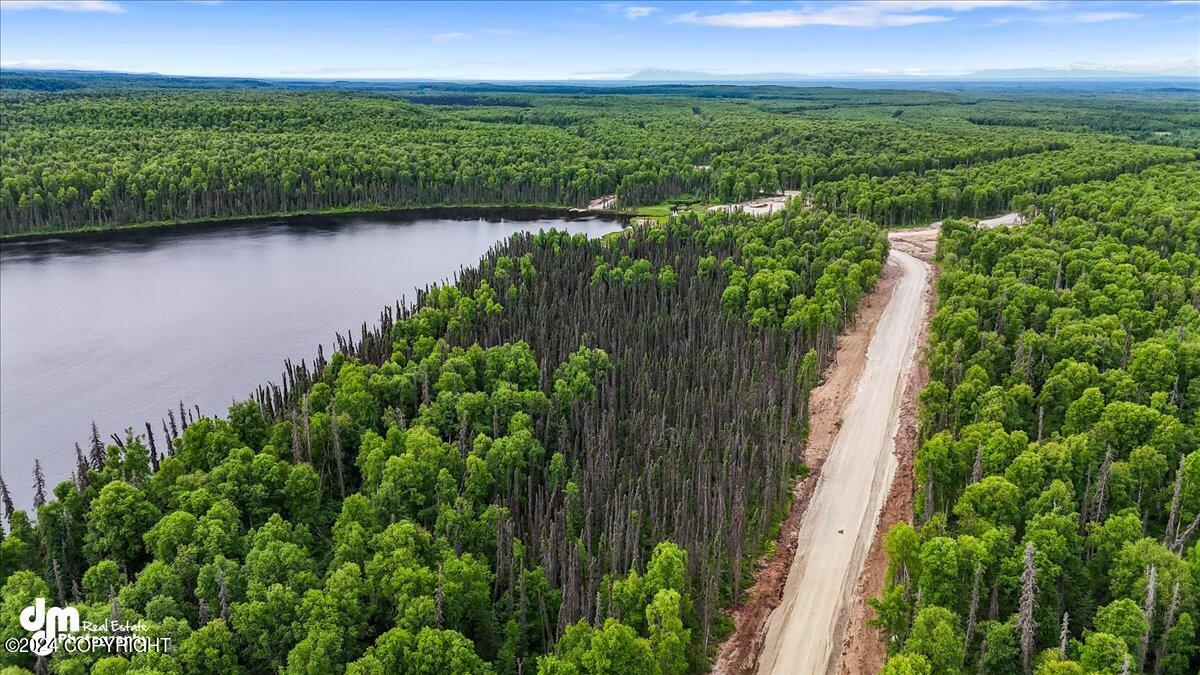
x,y
121,327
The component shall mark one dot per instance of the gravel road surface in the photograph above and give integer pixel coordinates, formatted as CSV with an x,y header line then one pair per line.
x,y
838,525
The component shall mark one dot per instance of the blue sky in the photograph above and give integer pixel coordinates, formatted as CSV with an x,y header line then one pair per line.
x,y
602,40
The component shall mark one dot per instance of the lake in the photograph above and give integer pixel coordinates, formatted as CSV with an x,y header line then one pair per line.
x,y
119,327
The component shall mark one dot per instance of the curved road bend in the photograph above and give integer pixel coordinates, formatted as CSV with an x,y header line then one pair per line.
x,y
804,631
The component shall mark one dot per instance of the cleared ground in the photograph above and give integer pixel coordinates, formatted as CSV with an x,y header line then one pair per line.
x,y
838,525
763,206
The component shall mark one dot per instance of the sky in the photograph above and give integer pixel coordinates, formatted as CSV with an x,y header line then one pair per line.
x,y
594,40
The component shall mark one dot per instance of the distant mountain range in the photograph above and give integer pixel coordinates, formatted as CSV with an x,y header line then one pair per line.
x,y
1077,71
1185,74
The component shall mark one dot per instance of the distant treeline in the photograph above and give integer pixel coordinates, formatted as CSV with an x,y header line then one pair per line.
x,y
123,154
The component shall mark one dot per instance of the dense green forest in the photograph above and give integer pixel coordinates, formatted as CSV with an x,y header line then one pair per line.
x,y
566,461
569,459
96,156
1059,475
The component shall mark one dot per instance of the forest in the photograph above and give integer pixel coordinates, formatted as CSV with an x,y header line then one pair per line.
x,y
554,463
105,152
1058,504
569,458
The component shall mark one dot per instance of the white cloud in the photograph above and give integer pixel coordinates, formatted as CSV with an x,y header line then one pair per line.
x,y
638,11
855,14
64,5
1188,67
631,12
460,35
609,74
1068,18
1099,17
957,5
858,16
50,64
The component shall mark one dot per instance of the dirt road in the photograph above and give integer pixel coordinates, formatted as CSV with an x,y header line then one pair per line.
x,y
838,526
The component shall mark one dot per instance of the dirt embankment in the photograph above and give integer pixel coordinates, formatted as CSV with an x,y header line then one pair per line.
x,y
827,402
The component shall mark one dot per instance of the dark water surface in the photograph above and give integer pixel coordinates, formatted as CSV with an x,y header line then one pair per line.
x,y
119,327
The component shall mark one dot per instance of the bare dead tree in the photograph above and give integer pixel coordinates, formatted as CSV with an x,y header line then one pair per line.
x,y
928,513
7,501
1173,518
1063,636
1183,537
81,468
1084,509
297,455
1168,623
153,448
97,448
39,485
114,606
973,611
169,437
304,415
1026,620
1100,496
223,595
1148,608
58,583
337,450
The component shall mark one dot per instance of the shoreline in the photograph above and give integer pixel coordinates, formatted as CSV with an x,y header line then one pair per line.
x,y
298,217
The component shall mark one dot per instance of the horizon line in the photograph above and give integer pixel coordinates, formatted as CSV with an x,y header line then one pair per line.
x,y
698,77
